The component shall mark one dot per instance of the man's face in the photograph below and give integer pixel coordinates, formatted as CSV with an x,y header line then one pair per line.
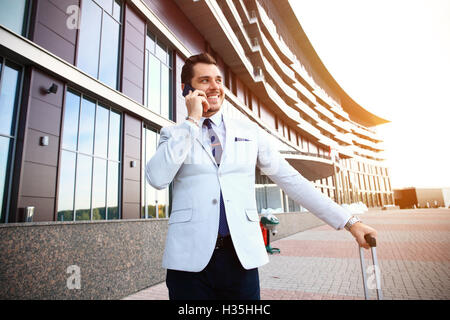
x,y
207,78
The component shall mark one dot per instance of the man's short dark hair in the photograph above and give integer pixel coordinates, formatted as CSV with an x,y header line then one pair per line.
x,y
187,73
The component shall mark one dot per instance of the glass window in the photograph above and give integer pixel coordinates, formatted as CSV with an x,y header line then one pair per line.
x,y
268,194
114,135
8,100
71,113
5,155
154,82
113,190
155,203
99,190
10,77
107,5
101,132
13,15
161,52
90,171
158,74
66,186
98,48
89,37
83,188
109,51
117,9
165,91
86,131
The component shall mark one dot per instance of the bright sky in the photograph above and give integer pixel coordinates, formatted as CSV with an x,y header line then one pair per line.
x,y
393,58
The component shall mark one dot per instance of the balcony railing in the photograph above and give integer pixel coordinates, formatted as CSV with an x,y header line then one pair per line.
x,y
272,30
290,92
287,71
275,97
309,154
308,110
305,92
301,71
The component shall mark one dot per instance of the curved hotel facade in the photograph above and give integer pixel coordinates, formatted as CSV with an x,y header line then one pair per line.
x,y
86,86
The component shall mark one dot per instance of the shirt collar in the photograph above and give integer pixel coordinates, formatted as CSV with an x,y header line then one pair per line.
x,y
215,118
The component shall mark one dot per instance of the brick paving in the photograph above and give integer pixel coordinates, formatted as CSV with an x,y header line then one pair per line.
x,y
322,263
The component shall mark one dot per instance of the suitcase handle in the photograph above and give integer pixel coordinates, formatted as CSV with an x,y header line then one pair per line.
x,y
372,241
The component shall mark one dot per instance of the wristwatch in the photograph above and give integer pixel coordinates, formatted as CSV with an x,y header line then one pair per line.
x,y
351,222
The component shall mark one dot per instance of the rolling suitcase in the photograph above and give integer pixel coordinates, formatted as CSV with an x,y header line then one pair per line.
x,y
375,268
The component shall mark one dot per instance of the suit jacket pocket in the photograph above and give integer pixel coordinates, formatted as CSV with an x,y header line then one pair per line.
x,y
252,214
180,215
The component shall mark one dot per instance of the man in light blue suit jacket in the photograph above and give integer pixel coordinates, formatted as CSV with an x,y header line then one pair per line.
x,y
200,263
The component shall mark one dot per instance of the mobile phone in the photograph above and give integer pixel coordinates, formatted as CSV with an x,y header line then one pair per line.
x,y
186,89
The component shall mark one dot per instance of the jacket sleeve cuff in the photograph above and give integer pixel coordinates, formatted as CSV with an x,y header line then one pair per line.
x,y
194,130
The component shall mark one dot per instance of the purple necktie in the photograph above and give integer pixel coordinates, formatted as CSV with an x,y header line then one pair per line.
x,y
216,148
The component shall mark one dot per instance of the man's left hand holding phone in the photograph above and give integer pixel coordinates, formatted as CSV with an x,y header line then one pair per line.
x,y
196,102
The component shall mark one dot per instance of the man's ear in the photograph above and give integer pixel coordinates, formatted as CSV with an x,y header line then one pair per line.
x,y
182,86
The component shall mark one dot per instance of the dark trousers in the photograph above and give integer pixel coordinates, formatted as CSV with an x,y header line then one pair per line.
x,y
223,278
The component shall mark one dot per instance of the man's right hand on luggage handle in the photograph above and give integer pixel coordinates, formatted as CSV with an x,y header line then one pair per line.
x,y
364,235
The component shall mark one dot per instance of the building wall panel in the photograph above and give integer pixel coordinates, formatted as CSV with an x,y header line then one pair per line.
x,y
131,187
133,55
45,117
171,15
39,169
51,31
47,155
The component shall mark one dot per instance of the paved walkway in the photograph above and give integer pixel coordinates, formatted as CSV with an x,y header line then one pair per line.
x,y
321,263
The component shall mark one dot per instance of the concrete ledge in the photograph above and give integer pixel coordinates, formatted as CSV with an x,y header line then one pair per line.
x,y
115,258
293,222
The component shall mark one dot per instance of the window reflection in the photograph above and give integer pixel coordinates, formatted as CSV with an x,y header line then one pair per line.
x,y
10,76
154,83
117,10
113,190
269,197
71,112
86,131
98,48
83,188
101,132
99,190
89,37
66,186
5,149
109,52
158,70
165,91
155,203
114,135
106,5
13,14
161,52
89,173
8,100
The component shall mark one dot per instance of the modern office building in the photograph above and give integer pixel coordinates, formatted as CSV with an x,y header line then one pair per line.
x,y
409,198
86,86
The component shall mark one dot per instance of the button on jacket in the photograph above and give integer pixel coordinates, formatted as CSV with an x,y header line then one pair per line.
x,y
184,157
